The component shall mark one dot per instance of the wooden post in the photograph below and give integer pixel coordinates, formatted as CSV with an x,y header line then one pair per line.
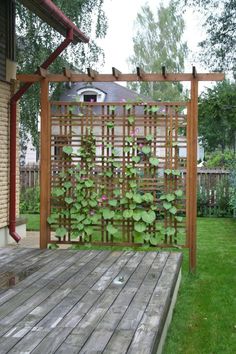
x,y
44,165
192,138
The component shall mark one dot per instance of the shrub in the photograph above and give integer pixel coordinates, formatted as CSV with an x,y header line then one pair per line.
x,y
30,200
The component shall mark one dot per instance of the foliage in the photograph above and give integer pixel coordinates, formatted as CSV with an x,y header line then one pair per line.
x,y
158,41
203,322
33,222
218,159
217,117
38,40
219,48
232,179
86,203
29,200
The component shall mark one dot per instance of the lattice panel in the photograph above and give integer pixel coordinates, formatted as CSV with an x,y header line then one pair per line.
x,y
111,163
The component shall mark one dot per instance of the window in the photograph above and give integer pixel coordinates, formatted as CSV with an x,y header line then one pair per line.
x,y
90,98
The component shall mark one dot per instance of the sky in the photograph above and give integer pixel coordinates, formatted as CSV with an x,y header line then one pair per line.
x,y
118,44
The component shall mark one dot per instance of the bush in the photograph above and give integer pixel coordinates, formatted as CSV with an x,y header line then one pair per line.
x,y
30,200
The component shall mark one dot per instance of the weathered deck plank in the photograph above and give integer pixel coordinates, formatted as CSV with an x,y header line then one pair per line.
x,y
86,301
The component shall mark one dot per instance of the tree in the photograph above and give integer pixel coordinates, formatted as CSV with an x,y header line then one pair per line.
x,y
36,40
158,42
219,47
217,117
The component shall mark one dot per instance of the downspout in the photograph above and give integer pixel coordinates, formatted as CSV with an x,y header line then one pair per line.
x,y
13,128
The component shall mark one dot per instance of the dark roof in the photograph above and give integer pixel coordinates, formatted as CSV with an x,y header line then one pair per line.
x,y
114,92
51,14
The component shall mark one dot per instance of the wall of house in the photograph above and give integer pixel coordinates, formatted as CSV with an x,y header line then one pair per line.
x,y
5,93
4,152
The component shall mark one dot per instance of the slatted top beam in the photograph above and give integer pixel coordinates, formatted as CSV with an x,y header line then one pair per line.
x,y
89,301
122,77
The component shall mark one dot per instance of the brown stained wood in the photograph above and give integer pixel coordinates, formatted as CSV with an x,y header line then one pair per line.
x,y
44,165
122,77
191,214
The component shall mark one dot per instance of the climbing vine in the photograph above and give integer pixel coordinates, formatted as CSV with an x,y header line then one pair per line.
x,y
87,206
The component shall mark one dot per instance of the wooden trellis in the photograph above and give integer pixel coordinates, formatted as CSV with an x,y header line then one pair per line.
x,y
127,141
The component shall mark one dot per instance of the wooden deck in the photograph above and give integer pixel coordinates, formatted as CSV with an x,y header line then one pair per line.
x,y
89,301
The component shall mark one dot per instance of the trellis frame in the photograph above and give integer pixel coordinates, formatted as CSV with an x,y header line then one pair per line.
x,y
92,76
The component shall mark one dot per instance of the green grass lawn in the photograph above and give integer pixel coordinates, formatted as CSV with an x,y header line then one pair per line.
x,y
33,222
204,320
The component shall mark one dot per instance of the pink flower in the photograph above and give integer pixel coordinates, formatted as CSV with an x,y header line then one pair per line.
x,y
92,212
104,197
140,145
91,100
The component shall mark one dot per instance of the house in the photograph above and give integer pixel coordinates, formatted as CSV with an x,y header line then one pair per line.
x,y
9,175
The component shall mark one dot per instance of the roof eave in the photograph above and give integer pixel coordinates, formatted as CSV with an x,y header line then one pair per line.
x,y
51,14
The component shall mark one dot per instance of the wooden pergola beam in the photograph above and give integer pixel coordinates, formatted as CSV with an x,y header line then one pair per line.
x,y
116,73
93,77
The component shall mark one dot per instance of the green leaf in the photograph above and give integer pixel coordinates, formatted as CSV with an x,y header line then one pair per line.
x,y
108,214
127,149
67,185
170,197
149,137
170,231
89,183
167,172
140,227
84,203
129,139
117,192
123,201
136,159
179,218
154,109
68,150
154,161
58,192
128,107
148,198
130,120
111,229
110,125
146,150
153,241
173,210
61,231
179,193
89,230
116,164
128,213
132,184
146,237
129,195
109,174
93,203
52,246
176,173
51,219
137,215
167,206
148,216
137,198
68,200
112,108
113,202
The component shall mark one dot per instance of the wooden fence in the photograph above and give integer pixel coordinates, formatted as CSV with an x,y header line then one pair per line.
x,y
213,188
